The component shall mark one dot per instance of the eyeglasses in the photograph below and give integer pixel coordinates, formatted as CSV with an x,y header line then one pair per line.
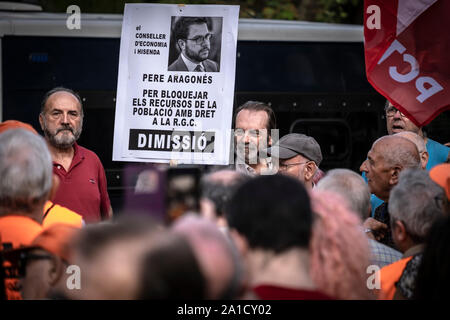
x,y
390,112
285,167
252,133
200,39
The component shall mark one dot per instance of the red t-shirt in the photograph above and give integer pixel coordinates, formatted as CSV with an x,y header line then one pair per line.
x,y
83,187
269,292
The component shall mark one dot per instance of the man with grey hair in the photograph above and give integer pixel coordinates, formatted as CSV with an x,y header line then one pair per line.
x,y
413,208
354,190
351,187
83,186
26,174
423,153
25,186
388,156
420,144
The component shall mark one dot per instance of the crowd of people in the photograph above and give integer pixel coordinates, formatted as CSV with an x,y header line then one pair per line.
x,y
272,225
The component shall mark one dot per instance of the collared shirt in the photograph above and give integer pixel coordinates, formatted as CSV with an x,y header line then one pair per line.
x,y
413,250
83,187
382,255
191,65
246,169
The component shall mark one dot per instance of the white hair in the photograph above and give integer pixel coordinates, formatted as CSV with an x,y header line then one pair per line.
x,y
351,186
398,154
414,201
25,170
414,138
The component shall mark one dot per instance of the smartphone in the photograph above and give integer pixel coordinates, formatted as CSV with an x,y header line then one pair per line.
x,y
160,192
182,191
145,191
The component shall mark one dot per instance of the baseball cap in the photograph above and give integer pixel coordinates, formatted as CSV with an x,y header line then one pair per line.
x,y
14,124
441,175
56,239
294,144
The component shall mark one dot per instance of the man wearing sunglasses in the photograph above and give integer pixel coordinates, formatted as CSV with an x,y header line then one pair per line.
x,y
299,157
194,41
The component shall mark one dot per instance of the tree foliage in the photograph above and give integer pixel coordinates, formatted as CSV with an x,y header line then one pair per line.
x,y
334,11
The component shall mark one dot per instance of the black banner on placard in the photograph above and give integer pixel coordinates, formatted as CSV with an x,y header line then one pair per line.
x,y
167,140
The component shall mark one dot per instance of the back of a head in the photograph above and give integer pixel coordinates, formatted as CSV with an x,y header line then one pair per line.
x,y
414,201
351,187
339,249
399,151
25,171
218,259
94,238
109,255
170,270
219,186
272,212
414,138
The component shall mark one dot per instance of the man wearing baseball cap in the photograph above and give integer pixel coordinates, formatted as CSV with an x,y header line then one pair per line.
x,y
299,156
42,265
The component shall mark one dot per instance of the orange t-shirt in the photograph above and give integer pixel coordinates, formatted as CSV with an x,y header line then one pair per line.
x,y
16,231
389,275
58,214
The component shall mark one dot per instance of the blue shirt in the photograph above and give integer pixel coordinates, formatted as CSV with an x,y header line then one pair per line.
x,y
438,153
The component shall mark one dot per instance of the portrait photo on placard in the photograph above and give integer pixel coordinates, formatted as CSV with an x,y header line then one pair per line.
x,y
195,44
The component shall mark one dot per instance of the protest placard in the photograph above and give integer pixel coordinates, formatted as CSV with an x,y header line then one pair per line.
x,y
176,83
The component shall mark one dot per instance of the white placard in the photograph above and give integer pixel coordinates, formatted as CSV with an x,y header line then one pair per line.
x,y
167,109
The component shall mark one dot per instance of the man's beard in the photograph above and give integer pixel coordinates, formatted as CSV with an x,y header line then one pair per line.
x,y
247,153
64,141
195,56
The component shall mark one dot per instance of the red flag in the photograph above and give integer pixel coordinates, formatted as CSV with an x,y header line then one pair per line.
x,y
408,54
